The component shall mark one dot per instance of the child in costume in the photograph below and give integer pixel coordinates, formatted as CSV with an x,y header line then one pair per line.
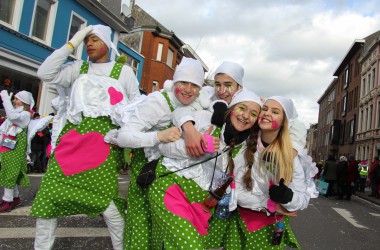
x,y
13,157
82,176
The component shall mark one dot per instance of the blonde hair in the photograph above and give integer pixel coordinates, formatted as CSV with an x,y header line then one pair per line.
x,y
280,154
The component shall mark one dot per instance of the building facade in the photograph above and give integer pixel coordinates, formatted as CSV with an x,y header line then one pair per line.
x,y
368,135
347,100
161,48
31,30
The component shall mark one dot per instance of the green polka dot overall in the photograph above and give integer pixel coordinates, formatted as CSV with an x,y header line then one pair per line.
x,y
85,192
138,226
13,164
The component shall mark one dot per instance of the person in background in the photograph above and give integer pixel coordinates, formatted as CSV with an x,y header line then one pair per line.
x,y
329,174
363,175
82,176
352,177
13,171
36,147
373,178
341,177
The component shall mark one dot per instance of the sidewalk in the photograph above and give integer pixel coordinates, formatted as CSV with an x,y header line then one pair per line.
x,y
368,198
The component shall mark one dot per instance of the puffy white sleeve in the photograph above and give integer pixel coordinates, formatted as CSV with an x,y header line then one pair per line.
x,y
137,133
54,70
129,82
21,119
298,133
299,186
177,149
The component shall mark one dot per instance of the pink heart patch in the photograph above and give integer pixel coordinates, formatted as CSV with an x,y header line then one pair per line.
x,y
115,96
176,202
77,153
255,220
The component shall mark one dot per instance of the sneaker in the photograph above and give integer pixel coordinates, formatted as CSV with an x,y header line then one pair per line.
x,y
6,206
16,202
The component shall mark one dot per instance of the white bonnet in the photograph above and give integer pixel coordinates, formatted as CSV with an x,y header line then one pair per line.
x,y
245,95
232,69
288,106
25,97
189,70
104,33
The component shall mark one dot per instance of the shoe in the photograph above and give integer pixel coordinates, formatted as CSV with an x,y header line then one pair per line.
x,y
6,206
16,202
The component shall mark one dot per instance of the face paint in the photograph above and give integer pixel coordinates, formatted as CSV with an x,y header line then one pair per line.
x,y
274,124
177,90
102,49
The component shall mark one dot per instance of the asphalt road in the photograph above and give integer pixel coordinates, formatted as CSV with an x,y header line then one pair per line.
x,y
325,224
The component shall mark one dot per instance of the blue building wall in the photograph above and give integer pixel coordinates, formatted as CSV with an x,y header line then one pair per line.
x,y
25,46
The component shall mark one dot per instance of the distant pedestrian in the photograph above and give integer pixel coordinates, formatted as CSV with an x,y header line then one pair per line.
x,y
363,172
13,147
329,174
373,177
352,176
341,174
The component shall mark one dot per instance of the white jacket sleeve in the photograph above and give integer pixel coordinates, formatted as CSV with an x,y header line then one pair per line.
x,y
298,133
301,196
140,131
54,70
177,149
21,119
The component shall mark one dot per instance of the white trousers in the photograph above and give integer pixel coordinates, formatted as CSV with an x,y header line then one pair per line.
x,y
10,193
45,229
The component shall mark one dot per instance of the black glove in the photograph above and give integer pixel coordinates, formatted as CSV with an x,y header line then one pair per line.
x,y
220,109
281,193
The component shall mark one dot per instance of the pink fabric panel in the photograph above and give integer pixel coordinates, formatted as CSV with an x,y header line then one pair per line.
x,y
255,220
77,153
176,202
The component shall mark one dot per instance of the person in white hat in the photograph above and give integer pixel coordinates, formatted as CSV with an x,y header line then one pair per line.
x,y
147,126
83,168
271,189
185,189
13,147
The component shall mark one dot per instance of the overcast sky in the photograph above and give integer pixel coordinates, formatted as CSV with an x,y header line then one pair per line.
x,y
289,48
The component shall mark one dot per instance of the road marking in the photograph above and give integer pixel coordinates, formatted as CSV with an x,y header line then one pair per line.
x,y
25,211
28,232
376,215
348,216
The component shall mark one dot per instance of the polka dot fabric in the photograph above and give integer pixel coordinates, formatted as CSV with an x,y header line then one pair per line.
x,y
89,192
169,230
13,164
138,224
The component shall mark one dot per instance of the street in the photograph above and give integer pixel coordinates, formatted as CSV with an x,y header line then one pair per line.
x,y
325,224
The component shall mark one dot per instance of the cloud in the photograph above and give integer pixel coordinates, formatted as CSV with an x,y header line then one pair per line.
x,y
289,48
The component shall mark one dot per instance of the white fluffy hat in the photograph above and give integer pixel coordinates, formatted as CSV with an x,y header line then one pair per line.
x,y
288,106
189,70
104,33
245,95
25,97
232,69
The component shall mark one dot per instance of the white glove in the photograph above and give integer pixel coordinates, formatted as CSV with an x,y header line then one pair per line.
x,y
79,36
4,95
111,136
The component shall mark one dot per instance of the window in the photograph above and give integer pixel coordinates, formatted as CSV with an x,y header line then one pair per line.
x,y
10,14
131,62
154,86
76,24
43,20
373,78
159,52
344,105
351,131
345,80
169,60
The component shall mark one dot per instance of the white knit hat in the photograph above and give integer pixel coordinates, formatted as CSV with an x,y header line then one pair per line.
x,y
245,95
104,33
288,106
189,70
25,97
232,69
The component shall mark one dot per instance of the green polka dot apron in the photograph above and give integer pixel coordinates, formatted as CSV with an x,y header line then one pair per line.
x,y
138,226
13,163
82,176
